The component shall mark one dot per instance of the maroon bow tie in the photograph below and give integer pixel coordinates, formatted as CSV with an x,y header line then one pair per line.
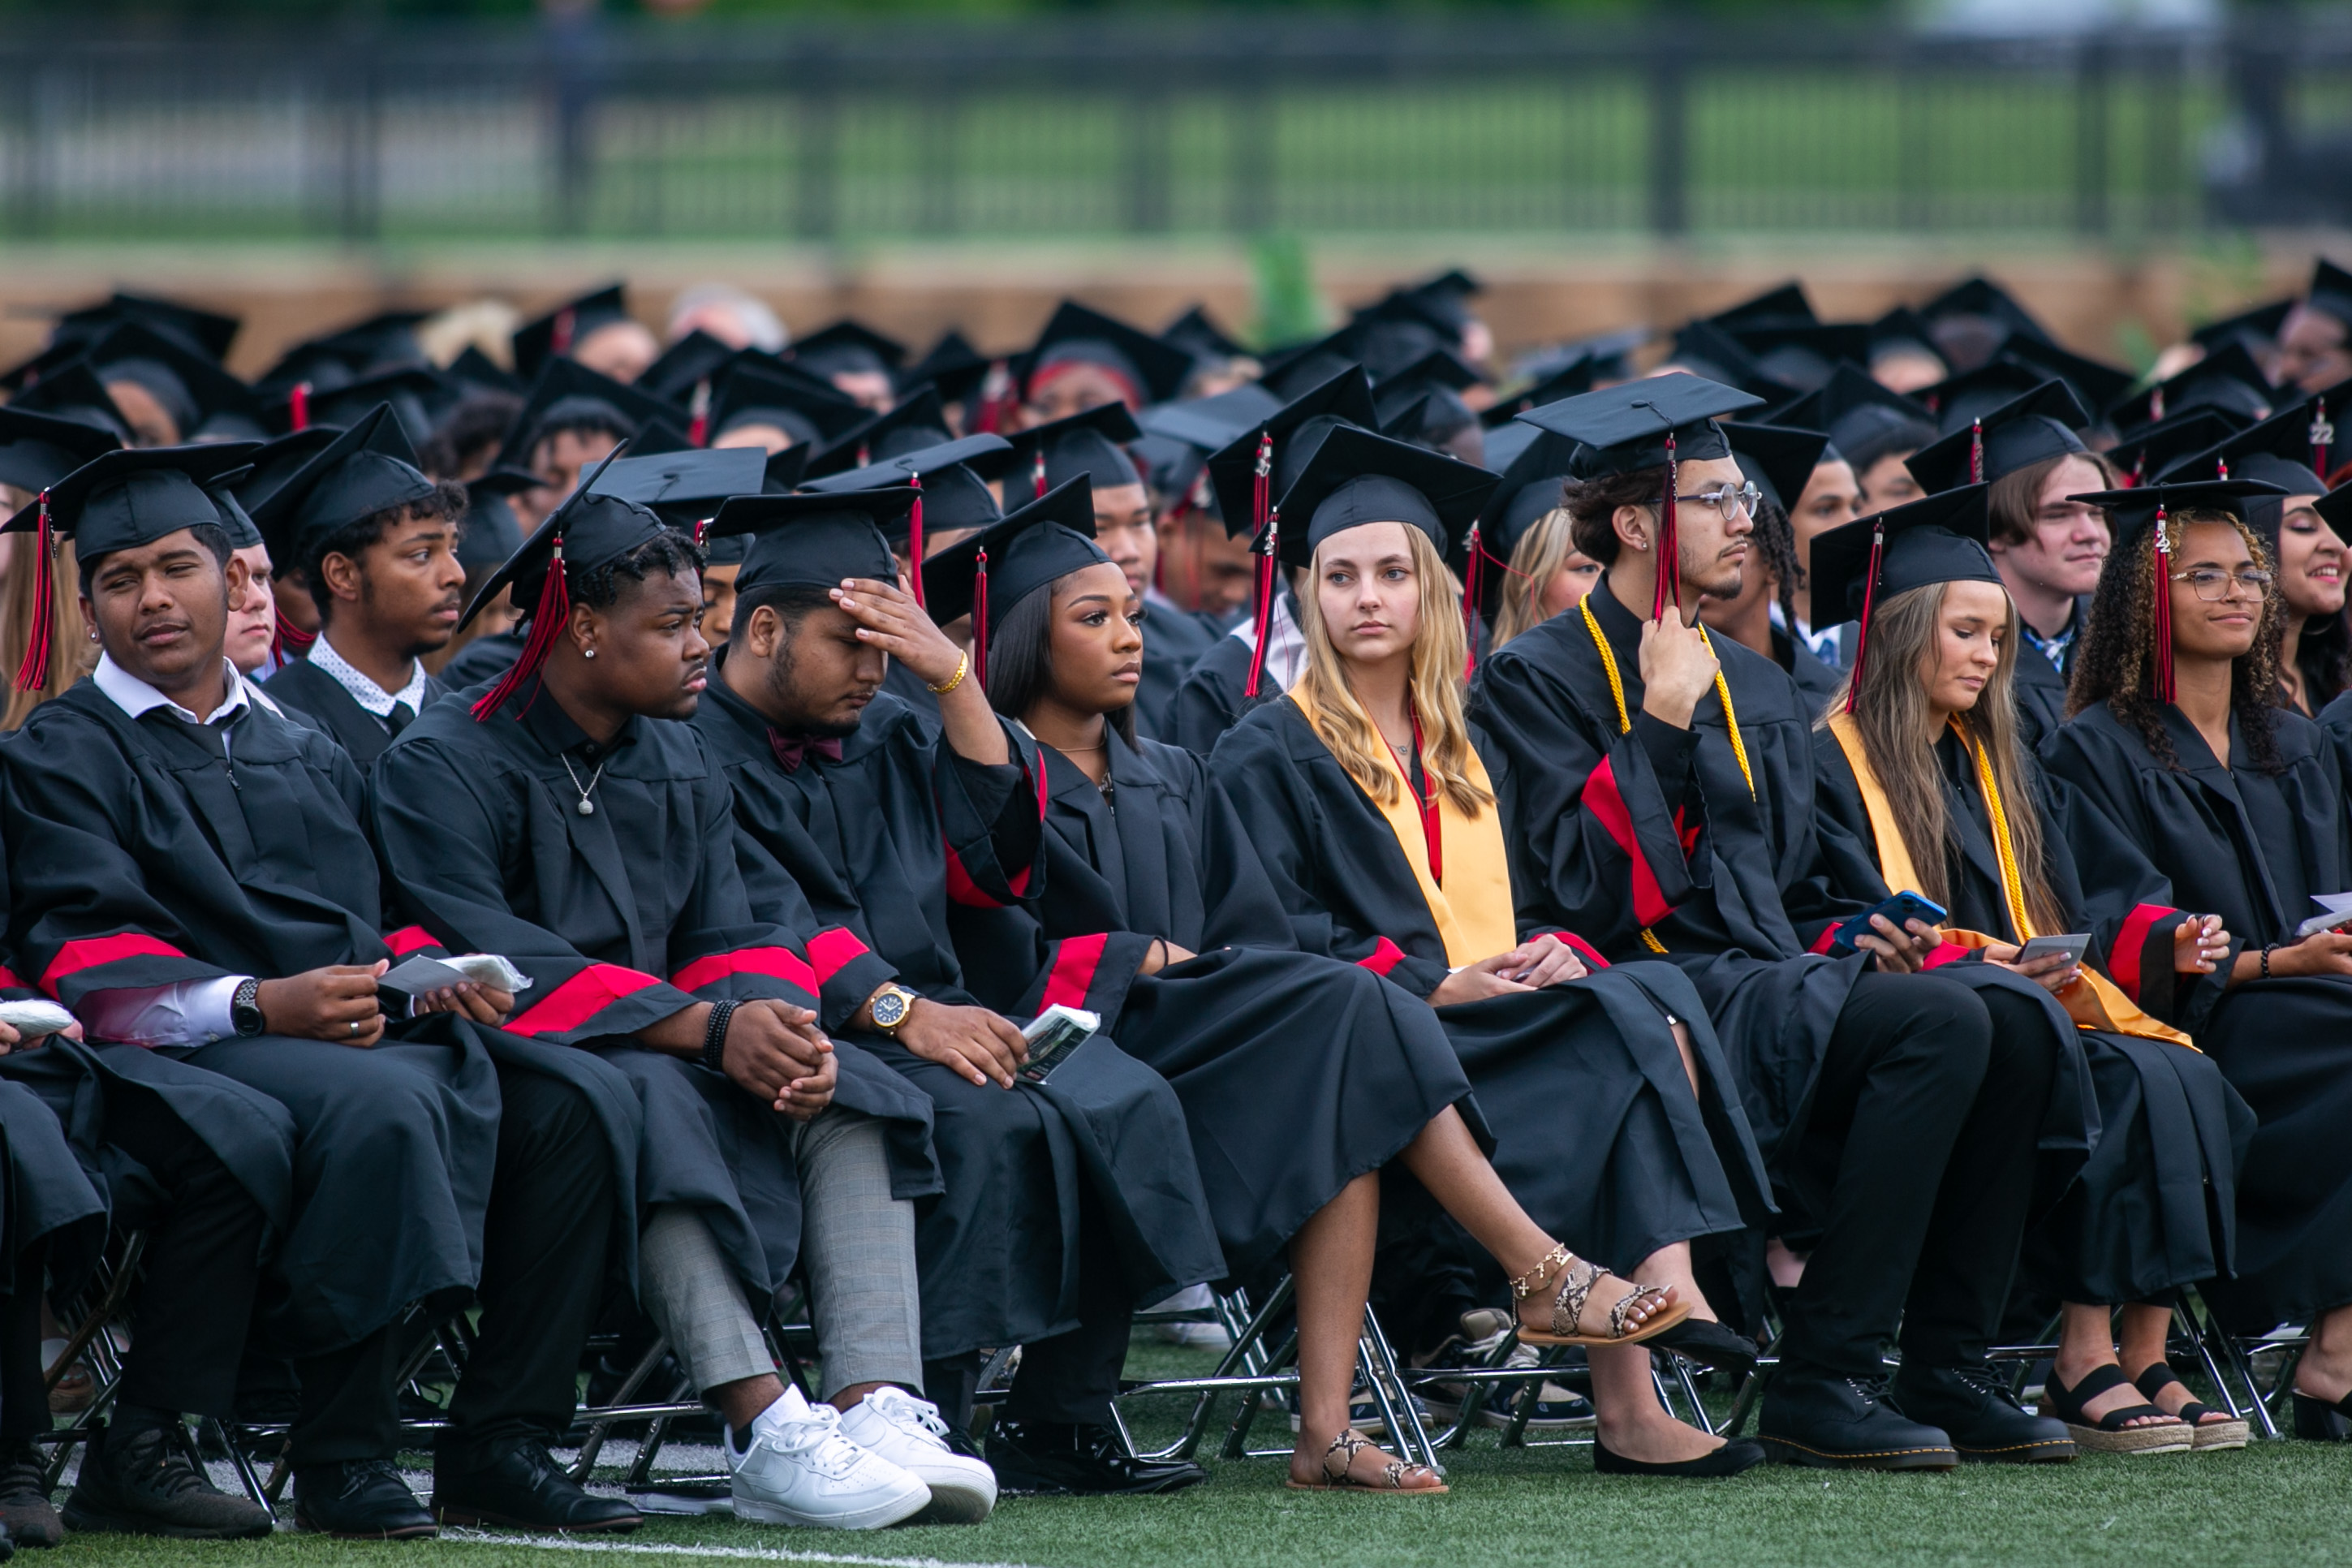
x,y
791,753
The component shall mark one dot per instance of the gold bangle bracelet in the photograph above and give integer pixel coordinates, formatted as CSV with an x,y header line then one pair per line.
x,y
963,663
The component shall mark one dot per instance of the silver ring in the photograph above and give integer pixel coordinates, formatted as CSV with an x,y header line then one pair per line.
x,y
355,1027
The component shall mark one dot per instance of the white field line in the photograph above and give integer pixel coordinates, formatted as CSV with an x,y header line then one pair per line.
x,y
712,1553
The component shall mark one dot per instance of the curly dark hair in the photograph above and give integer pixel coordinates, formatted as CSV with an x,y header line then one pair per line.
x,y
2113,665
1776,539
668,554
471,432
1592,507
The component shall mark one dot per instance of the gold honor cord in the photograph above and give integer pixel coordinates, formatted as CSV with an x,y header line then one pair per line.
x,y
1625,719
2012,883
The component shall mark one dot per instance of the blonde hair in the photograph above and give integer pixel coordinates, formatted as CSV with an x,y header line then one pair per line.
x,y
73,654
1893,719
1542,551
1438,653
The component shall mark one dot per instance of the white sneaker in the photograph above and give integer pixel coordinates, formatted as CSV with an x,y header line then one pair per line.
x,y
908,1432
800,1469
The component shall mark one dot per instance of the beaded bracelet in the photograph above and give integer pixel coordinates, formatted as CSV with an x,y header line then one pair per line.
x,y
714,1038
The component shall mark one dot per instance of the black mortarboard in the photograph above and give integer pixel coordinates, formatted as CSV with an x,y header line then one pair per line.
x,y
1444,299
2334,509
492,531
476,368
682,488
2331,290
553,336
2133,512
2277,452
1201,338
1785,306
1937,539
59,351
785,469
567,395
72,391
1805,356
1703,350
1293,370
695,358
1961,400
234,521
1981,297
2226,378
1284,439
1428,413
1779,458
37,450
280,460
368,468
1046,456
1863,419
814,541
331,359
953,365
1625,427
1506,442
1529,489
2256,328
917,422
2094,384
206,332
985,575
804,406
416,394
953,495
1566,380
1901,330
847,348
1355,477
194,389
1208,424
2019,433
1157,371
2148,451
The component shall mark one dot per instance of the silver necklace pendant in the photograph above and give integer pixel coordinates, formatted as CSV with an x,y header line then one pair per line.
x,y
587,806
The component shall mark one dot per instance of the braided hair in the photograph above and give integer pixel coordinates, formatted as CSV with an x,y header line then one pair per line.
x,y
1776,538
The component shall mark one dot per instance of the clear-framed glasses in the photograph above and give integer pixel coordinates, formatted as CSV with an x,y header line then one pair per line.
x,y
2211,583
1727,502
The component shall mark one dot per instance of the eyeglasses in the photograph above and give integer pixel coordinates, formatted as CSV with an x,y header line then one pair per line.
x,y
2212,585
1727,502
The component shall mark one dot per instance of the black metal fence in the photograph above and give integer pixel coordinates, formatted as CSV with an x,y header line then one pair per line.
x,y
1232,124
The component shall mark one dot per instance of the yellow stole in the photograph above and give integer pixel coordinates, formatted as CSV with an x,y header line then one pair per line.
x,y
2092,1001
1473,911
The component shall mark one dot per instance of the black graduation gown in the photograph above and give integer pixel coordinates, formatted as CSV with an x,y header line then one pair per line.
x,y
1815,679
1173,642
304,690
2253,848
49,1198
620,918
140,857
2040,686
877,844
911,688
2155,1206
1655,829
1210,700
1298,1074
1595,1129
483,659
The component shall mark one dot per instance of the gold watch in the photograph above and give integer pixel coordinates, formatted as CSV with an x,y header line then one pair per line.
x,y
889,1007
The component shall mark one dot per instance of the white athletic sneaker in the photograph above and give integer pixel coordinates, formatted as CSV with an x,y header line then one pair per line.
x,y
908,1432
800,1469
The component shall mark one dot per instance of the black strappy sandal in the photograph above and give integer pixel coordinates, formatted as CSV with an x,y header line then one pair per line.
x,y
2317,1421
1348,1444
2111,1433
2227,1433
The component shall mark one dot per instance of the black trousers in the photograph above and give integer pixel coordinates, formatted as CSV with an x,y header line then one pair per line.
x,y
1071,1377
1925,1119
544,1246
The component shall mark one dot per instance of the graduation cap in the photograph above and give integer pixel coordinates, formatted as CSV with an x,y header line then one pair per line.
x,y
814,541
567,395
1863,419
200,396
1045,456
1356,477
1567,381
2094,384
804,406
1446,296
382,342
692,361
1156,370
847,348
917,422
1505,443
1704,349
1948,315
2226,378
1293,372
477,369
2020,432
2146,509
1779,458
368,468
205,332
1938,537
1805,355
586,531
2148,451
1659,422
1529,489
234,521
118,501
1201,338
1902,330
278,461
1959,401
37,449
2277,452
949,494
953,365
785,469
1207,424
72,391
492,531
2254,329
2331,290
551,336
985,575
60,352
1257,465
1420,410
684,489
414,392
1785,306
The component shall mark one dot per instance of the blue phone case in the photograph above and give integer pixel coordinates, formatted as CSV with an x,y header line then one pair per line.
x,y
1902,907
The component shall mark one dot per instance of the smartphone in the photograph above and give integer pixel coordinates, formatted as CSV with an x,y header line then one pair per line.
x,y
1903,907
2073,947
1051,1036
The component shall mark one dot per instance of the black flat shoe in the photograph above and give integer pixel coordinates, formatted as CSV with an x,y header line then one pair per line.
x,y
1739,1453
1814,1416
1708,1343
1055,1459
520,1485
364,1500
2317,1421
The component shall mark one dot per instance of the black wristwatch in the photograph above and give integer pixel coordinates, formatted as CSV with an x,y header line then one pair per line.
x,y
245,1008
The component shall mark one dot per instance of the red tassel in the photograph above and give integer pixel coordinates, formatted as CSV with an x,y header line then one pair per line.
x,y
1869,597
865,454
1670,563
1471,576
1975,452
547,620
35,669
2163,597
298,405
1267,568
2323,436
980,617
1037,472
697,428
290,636
915,536
559,334
2138,471
2156,405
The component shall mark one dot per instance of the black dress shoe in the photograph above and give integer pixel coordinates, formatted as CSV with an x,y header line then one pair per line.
x,y
26,1516
1709,1344
1974,1407
143,1483
1815,1417
1739,1453
519,1485
1057,1458
2317,1421
362,1499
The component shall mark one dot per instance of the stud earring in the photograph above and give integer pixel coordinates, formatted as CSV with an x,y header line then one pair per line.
x,y
588,653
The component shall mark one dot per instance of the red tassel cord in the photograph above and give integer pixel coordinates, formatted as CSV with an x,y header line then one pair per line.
x,y
698,426
2138,472
2156,405
1264,525
290,641
980,617
547,619
2163,598
915,538
559,336
1037,472
2323,436
865,454
1869,597
297,405
1670,560
35,669
1976,451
